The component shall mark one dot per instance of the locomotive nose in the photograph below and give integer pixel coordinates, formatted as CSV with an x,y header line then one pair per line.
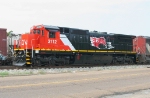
x,y
19,61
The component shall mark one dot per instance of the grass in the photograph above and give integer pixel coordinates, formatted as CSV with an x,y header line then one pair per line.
x,y
4,74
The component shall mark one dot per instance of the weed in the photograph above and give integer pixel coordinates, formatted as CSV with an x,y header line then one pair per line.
x,y
4,74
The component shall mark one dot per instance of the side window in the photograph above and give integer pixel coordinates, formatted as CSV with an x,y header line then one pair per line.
x,y
51,34
42,33
38,31
34,31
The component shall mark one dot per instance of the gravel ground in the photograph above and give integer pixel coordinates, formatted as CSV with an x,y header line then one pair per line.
x,y
138,94
16,72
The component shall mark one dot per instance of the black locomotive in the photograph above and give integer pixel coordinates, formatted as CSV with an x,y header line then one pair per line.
x,y
100,47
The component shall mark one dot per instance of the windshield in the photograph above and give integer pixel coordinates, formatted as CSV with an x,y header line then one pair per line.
x,y
36,31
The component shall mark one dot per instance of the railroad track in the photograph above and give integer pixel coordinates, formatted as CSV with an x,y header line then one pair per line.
x,y
9,67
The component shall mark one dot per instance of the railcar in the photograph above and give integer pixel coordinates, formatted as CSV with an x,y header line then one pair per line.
x,y
54,45
5,58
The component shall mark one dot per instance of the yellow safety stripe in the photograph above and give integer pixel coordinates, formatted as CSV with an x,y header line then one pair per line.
x,y
99,51
110,51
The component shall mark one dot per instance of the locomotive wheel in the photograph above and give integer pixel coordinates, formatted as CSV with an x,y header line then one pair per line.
x,y
37,62
115,62
51,62
130,62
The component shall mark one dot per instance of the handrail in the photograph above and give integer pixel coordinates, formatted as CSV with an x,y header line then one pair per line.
x,y
142,50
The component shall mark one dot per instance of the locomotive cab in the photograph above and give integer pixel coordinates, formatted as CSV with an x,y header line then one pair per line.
x,y
48,36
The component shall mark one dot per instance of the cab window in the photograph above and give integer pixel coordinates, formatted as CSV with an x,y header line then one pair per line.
x,y
51,34
36,31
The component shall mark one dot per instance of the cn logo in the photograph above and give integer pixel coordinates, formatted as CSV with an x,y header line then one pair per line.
x,y
23,42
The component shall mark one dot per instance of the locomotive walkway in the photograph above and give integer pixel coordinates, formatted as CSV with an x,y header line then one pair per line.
x,y
95,84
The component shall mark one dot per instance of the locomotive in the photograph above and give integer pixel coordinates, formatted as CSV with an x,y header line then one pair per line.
x,y
141,44
54,45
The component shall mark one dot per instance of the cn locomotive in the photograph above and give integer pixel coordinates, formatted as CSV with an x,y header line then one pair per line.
x,y
54,45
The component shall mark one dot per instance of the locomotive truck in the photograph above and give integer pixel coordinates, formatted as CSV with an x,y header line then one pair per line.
x,y
54,45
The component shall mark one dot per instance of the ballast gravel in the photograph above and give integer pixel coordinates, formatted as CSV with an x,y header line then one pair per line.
x,y
19,72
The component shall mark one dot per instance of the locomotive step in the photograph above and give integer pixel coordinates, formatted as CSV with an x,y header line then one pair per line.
x,y
27,55
28,59
28,63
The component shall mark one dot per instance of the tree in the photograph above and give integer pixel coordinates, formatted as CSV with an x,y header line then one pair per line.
x,y
9,33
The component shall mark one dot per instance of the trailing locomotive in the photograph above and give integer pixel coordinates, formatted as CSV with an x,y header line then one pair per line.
x,y
141,44
54,45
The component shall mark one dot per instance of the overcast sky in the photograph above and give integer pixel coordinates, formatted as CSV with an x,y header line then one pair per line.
x,y
113,16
